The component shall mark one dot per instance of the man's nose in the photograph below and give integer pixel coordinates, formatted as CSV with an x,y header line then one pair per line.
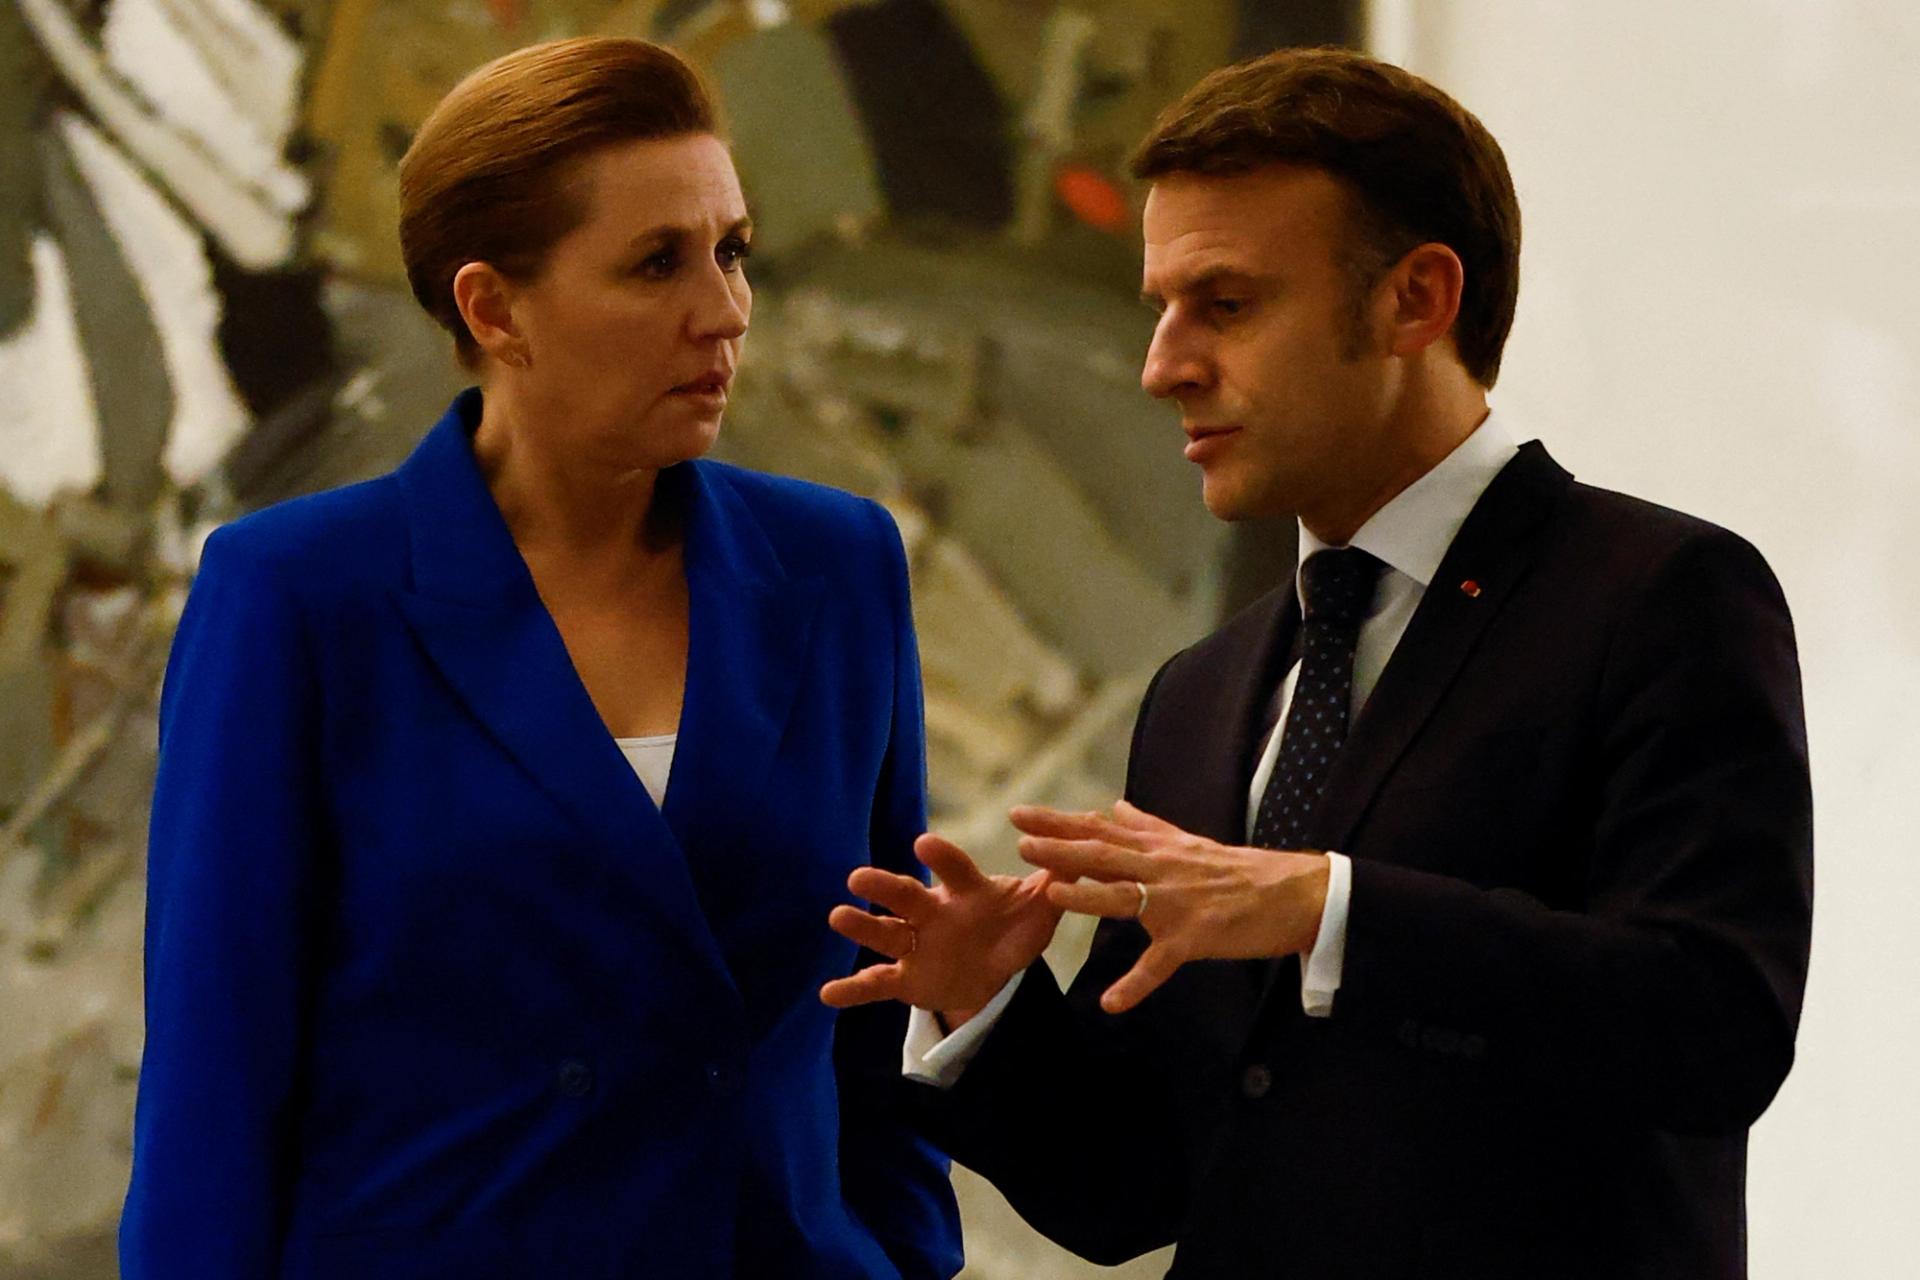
x,y
1172,362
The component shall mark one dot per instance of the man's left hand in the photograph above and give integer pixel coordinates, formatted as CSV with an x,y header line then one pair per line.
x,y
1203,900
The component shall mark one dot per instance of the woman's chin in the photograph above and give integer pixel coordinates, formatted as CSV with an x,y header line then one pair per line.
x,y
683,442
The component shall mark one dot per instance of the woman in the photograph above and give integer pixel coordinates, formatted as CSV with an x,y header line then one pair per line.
x,y
500,798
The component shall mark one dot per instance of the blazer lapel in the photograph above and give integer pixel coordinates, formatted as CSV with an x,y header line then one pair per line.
x,y
480,620
1251,698
751,624
1488,557
1201,784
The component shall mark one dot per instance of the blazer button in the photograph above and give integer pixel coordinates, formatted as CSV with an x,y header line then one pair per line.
x,y
574,1079
1255,1081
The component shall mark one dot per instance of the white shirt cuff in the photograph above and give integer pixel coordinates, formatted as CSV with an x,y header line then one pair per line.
x,y
1320,975
932,1059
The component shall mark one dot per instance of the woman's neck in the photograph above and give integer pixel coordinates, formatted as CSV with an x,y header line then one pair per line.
x,y
596,521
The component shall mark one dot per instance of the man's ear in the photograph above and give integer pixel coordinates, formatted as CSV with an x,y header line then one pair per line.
x,y
1426,285
485,300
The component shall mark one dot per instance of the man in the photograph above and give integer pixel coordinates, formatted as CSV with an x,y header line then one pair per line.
x,y
1515,768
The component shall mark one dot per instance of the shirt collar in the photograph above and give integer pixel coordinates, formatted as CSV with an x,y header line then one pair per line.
x,y
1412,532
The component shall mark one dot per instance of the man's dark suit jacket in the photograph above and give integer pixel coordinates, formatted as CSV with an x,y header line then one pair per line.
x,y
1578,812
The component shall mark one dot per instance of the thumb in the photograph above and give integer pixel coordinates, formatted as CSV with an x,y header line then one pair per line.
x,y
1155,965
948,861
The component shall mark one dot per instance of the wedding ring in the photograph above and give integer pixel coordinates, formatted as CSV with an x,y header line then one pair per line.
x,y
1141,887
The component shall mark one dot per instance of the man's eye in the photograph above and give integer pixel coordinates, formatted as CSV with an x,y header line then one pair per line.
x,y
1227,306
731,253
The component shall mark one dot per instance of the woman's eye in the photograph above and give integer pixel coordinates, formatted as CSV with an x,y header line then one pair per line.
x,y
731,253
658,265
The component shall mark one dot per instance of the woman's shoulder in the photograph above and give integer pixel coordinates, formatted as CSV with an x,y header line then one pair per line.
x,y
805,520
353,532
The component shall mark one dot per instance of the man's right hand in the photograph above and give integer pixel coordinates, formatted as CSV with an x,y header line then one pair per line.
x,y
954,945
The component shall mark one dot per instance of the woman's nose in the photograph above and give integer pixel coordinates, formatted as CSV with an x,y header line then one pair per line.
x,y
725,305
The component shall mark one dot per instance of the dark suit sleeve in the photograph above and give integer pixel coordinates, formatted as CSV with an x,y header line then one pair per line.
x,y
1064,1110
1673,995
893,1177
229,852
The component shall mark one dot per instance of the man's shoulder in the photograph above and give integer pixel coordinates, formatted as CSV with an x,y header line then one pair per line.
x,y
1604,538
1640,520
1631,541
1223,655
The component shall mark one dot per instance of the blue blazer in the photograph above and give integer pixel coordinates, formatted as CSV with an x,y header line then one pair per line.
x,y
435,990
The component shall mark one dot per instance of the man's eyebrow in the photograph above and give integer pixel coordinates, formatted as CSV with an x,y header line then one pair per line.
x,y
1205,281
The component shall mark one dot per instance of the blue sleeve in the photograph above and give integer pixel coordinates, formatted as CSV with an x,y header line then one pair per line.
x,y
894,1180
229,862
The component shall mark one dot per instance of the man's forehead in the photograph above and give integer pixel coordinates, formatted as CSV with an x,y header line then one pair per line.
x,y
1249,223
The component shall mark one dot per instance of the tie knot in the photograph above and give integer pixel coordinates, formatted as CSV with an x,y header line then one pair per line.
x,y
1338,586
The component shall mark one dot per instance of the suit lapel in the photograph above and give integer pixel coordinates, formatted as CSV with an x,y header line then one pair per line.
x,y
1201,786
1486,560
750,628
1480,569
1252,699
479,618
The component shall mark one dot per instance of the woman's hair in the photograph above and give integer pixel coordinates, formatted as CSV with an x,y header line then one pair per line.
x,y
1418,166
487,177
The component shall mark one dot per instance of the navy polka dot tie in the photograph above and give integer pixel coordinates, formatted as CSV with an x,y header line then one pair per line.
x,y
1337,587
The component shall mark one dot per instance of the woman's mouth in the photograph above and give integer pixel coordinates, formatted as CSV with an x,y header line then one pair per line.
x,y
708,392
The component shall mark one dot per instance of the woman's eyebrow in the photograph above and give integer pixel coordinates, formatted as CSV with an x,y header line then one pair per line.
x,y
673,232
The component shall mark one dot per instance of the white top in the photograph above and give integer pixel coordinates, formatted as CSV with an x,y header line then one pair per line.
x,y
652,761
1410,536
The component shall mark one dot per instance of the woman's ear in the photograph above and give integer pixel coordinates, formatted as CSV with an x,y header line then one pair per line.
x,y
484,298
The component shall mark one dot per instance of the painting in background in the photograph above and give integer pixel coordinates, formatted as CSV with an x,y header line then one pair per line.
x,y
202,311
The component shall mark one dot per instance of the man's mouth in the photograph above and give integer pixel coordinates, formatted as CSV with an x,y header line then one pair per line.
x,y
1204,442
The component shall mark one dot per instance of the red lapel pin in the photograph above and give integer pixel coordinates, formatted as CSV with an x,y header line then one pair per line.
x,y
1470,588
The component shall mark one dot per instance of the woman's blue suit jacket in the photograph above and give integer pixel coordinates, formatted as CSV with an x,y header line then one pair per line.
x,y
434,990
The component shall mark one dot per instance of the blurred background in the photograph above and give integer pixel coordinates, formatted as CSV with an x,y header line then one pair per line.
x,y
202,311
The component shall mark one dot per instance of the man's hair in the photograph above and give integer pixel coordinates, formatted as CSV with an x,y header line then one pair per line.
x,y
488,175
1417,167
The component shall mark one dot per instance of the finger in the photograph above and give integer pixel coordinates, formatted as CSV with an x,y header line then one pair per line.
x,y
1155,965
948,861
1129,815
874,983
902,895
1038,820
889,935
1119,901
1095,858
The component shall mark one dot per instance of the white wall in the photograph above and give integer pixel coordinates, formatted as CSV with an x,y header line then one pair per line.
x,y
1720,310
